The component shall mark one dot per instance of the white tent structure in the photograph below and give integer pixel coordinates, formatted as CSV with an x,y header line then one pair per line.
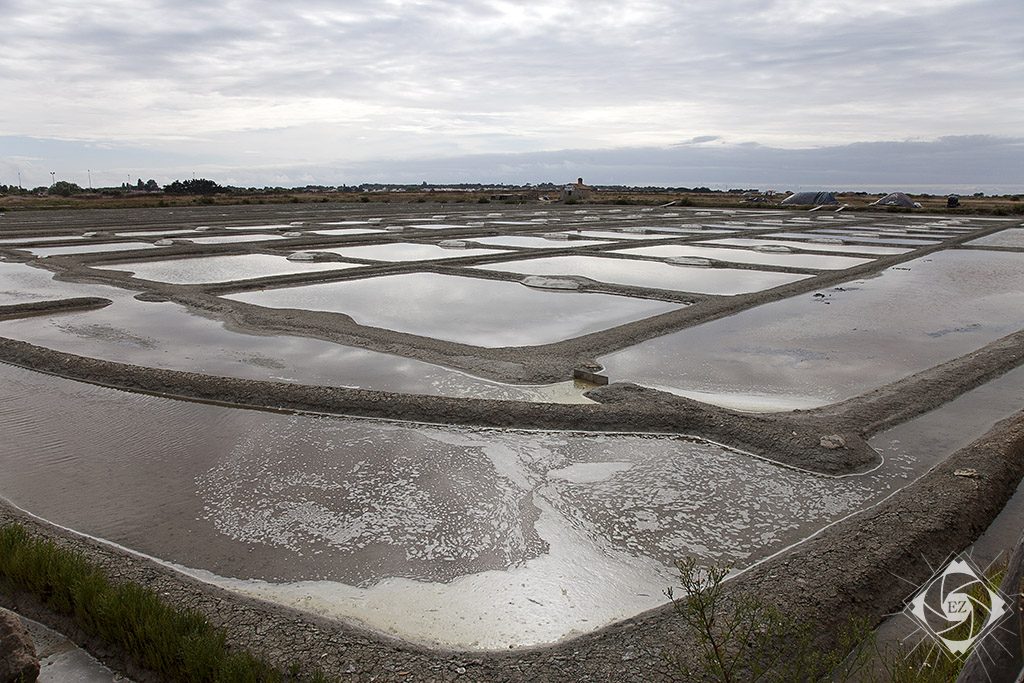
x,y
897,199
810,199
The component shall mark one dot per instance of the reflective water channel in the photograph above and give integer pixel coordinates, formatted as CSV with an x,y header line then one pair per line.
x,y
822,347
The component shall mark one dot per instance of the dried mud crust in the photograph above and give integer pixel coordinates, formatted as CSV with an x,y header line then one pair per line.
x,y
845,571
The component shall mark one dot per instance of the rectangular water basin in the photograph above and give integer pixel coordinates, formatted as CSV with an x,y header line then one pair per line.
x,y
622,235
346,231
230,239
816,246
155,233
208,269
881,234
680,230
1007,238
815,349
272,226
858,238
533,242
21,283
43,252
748,256
406,251
166,335
48,238
635,273
415,530
462,309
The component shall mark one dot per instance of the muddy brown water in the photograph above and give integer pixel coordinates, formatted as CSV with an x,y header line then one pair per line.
x,y
406,528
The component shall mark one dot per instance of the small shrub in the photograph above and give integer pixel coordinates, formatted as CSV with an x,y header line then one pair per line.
x,y
741,638
483,200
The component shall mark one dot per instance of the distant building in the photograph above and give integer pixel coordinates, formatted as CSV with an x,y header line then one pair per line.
x,y
575,191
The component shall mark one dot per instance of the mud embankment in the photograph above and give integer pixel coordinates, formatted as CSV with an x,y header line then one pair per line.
x,y
34,308
802,439
628,408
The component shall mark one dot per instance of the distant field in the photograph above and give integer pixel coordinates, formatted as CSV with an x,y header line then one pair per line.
x,y
1003,205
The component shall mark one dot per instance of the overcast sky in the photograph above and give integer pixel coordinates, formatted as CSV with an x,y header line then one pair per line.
x,y
674,93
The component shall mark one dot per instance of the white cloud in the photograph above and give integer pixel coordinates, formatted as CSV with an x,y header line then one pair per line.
x,y
322,81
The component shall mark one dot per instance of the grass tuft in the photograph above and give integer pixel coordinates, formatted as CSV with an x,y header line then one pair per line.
x,y
178,644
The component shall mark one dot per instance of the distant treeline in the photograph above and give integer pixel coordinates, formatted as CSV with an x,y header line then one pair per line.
x,y
205,187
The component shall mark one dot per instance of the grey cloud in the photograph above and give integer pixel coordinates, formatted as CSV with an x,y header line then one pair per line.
x,y
353,81
949,164
701,139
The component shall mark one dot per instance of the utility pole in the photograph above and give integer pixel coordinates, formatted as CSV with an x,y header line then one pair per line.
x,y
53,178
89,171
19,181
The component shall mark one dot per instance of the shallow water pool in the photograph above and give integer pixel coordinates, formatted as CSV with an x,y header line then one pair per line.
x,y
208,269
749,256
636,273
812,350
462,309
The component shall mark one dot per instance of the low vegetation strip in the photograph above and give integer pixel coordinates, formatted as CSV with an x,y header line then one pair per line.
x,y
174,643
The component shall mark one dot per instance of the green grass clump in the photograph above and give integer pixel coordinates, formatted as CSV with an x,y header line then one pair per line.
x,y
178,644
